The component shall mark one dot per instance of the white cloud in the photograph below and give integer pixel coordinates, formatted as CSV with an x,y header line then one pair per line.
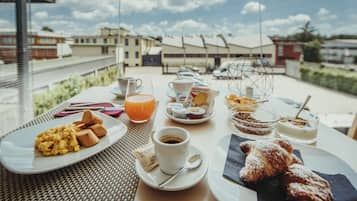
x,y
176,6
41,15
188,26
252,7
325,14
95,14
291,20
110,7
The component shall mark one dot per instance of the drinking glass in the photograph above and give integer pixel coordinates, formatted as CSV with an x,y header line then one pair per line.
x,y
139,106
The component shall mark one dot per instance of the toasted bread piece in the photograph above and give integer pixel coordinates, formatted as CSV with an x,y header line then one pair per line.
x,y
99,130
87,117
80,124
96,120
87,138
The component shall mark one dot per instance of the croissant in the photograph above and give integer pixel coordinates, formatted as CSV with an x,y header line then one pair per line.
x,y
301,184
266,158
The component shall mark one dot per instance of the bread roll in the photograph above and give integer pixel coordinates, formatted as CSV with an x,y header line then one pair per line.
x,y
98,130
87,138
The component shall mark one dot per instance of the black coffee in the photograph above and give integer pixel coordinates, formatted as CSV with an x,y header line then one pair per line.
x,y
168,139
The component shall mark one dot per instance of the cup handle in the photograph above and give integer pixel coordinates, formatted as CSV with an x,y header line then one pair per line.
x,y
139,81
170,85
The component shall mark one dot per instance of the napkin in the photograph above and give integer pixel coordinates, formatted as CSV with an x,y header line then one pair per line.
x,y
270,190
113,113
146,156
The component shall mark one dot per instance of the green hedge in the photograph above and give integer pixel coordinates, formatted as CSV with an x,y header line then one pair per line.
x,y
74,85
340,80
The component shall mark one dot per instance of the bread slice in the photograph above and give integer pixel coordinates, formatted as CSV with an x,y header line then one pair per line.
x,y
89,118
99,130
87,138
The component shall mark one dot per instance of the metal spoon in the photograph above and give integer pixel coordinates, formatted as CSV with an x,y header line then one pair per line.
x,y
303,106
193,162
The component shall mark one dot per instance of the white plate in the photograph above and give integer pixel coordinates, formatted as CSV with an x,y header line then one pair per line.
x,y
190,121
117,91
316,159
184,181
17,152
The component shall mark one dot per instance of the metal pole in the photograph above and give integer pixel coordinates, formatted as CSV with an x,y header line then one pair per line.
x,y
121,71
260,33
24,70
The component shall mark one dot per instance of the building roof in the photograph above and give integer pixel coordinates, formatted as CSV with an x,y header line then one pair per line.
x,y
194,41
342,43
111,28
252,41
175,41
34,33
354,41
249,41
153,50
214,40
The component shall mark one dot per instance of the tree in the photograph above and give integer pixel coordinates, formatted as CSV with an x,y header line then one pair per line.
x,y
46,28
307,32
312,51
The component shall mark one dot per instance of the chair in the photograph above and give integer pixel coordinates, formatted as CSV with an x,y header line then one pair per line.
x,y
352,132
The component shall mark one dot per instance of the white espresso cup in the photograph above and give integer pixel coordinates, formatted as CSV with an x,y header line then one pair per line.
x,y
181,86
171,148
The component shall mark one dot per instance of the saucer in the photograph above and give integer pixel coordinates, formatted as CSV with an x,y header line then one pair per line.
x,y
185,180
118,92
190,121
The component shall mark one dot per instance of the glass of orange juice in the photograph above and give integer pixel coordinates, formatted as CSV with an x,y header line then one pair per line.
x,y
139,106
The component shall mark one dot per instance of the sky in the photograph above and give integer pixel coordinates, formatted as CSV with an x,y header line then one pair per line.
x,y
190,17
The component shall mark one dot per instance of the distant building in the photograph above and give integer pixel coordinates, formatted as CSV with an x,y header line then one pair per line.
x,y
213,50
341,51
41,44
134,45
286,50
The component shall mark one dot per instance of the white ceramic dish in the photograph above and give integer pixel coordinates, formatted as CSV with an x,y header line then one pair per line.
x,y
316,159
190,121
184,181
117,91
171,94
18,155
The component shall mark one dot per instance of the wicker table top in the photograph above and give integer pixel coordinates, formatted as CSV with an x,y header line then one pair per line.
x,y
109,175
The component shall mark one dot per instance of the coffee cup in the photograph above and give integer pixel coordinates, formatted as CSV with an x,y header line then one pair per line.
x,y
123,83
171,148
181,87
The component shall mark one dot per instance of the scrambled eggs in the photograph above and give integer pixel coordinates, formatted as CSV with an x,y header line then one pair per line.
x,y
240,103
57,141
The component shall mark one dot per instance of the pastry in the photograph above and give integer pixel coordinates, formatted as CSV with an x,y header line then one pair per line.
x,y
301,184
266,159
87,138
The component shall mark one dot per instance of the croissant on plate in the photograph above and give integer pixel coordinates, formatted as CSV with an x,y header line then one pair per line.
x,y
266,159
301,184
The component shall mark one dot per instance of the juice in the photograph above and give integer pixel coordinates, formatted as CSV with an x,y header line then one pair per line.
x,y
140,108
